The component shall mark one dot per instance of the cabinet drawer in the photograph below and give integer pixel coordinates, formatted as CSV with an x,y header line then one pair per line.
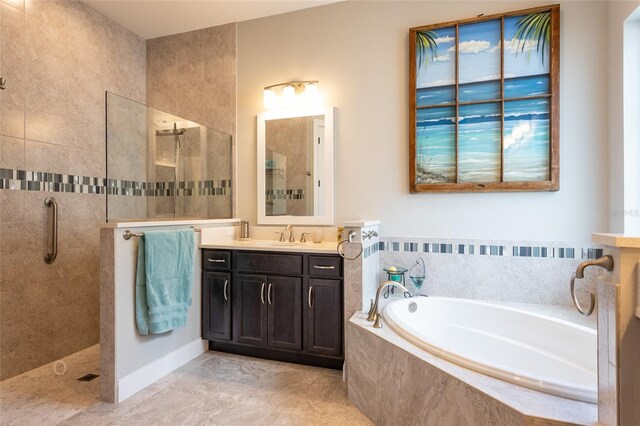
x,y
325,266
269,263
213,259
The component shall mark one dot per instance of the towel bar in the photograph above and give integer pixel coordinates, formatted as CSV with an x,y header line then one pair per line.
x,y
127,235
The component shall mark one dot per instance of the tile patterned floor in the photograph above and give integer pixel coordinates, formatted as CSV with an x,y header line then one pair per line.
x,y
215,388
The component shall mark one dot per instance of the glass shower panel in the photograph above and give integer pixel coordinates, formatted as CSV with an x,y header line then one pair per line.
x,y
163,166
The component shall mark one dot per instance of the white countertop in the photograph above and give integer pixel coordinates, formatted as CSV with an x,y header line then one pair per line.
x,y
328,247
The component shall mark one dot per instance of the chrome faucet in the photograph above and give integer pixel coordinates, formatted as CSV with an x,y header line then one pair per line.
x,y
292,239
605,262
374,315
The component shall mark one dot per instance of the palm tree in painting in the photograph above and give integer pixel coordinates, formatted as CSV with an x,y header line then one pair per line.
x,y
426,46
535,28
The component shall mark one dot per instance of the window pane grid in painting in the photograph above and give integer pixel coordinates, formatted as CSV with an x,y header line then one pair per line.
x,y
524,132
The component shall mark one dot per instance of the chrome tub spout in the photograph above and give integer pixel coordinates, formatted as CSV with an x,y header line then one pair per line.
x,y
374,316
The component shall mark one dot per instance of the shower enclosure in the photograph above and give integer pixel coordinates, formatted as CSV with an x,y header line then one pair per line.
x,y
163,166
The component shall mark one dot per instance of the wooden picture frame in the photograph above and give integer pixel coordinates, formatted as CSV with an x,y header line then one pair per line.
x,y
456,111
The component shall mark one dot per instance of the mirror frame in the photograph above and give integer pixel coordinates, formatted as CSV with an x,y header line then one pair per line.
x,y
328,217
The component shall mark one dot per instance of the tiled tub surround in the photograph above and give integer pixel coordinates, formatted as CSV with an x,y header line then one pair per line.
x,y
59,58
515,271
619,332
393,382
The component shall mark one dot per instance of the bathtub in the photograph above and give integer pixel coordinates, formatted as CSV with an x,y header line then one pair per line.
x,y
535,351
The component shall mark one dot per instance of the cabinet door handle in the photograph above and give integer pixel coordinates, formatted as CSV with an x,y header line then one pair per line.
x,y
269,294
226,284
216,260
323,267
262,293
309,297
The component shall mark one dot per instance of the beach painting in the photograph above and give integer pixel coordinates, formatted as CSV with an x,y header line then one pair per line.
x,y
483,101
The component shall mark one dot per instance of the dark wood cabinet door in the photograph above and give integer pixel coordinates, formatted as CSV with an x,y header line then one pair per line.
x,y
284,298
323,317
216,306
250,309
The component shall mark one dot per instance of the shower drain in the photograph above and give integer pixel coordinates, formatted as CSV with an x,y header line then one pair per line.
x,y
88,377
413,306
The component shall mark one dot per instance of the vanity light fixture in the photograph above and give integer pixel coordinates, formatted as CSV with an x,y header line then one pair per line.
x,y
293,93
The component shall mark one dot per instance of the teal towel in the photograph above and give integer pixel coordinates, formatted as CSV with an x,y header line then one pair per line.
x,y
164,277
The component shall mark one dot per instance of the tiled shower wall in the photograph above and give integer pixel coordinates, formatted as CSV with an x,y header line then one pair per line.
x,y
59,58
193,75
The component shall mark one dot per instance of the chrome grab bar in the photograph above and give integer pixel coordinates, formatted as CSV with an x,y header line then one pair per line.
x,y
224,291
127,235
605,262
51,256
352,235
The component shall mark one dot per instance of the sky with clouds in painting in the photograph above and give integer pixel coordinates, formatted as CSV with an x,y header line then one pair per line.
x,y
479,58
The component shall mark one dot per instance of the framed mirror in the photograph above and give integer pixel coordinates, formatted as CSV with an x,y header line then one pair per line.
x,y
295,167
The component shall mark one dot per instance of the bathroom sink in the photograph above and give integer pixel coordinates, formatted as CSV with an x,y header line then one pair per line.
x,y
274,244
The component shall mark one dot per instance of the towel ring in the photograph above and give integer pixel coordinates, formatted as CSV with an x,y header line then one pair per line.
x,y
575,299
352,235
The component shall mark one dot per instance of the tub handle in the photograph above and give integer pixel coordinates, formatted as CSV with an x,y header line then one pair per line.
x,y
580,309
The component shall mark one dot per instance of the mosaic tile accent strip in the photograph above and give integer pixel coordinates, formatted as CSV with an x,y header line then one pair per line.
x,y
284,194
22,180
368,251
490,249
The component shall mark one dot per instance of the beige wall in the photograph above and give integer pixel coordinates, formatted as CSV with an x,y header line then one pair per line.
x,y
359,52
58,59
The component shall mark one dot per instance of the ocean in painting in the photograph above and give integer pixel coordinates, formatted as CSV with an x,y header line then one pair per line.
x,y
526,137
484,90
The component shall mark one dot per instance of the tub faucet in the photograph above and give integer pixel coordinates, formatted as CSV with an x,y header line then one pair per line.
x,y
374,315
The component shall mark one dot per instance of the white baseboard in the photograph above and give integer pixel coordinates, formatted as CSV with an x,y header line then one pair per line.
x,y
143,377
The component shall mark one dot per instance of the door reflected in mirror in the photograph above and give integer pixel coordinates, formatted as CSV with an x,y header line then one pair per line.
x,y
293,166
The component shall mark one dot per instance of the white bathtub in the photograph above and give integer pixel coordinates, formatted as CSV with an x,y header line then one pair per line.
x,y
536,351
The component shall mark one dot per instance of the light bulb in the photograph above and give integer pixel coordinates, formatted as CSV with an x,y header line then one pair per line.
x,y
288,95
269,98
311,93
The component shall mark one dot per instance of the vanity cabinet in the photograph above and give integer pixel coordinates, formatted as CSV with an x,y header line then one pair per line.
x,y
276,305
216,306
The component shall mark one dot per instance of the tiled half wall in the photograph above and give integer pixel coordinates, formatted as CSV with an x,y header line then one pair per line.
x,y
515,271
